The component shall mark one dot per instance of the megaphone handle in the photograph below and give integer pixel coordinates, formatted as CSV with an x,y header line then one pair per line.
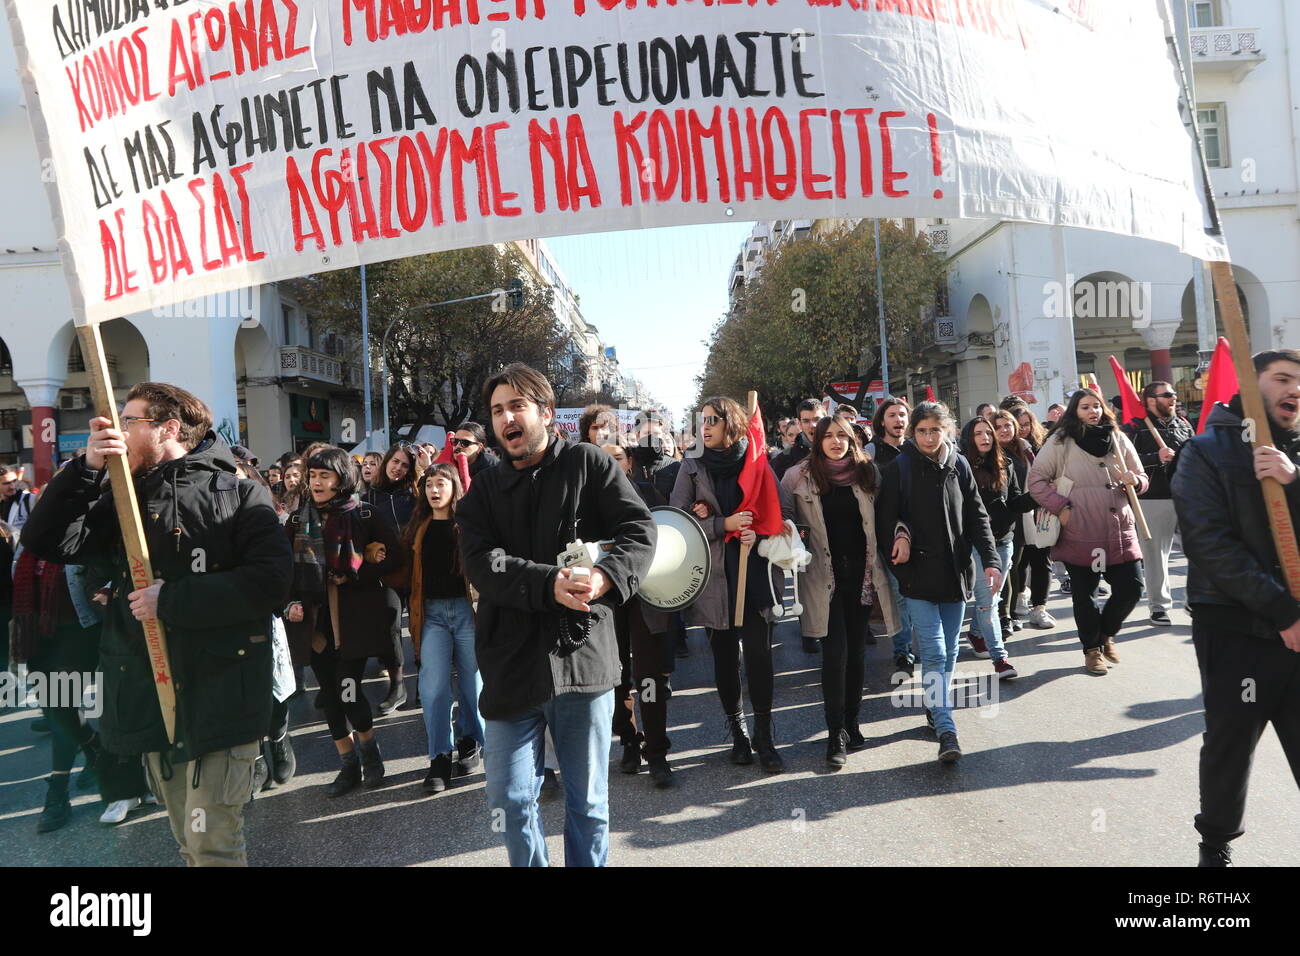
x,y
741,580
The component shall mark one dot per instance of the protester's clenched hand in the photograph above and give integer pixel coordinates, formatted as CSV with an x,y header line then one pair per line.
x,y
1166,455
144,602
748,537
1291,637
1272,463
700,510
294,613
739,521
576,594
993,578
104,440
902,550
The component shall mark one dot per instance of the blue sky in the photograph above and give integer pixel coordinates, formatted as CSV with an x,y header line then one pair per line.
x,y
654,294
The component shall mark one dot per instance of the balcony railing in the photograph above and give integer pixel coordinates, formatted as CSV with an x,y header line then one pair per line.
x,y
299,362
1233,50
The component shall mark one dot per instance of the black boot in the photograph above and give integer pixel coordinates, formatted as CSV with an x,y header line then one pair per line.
x,y
741,751
396,693
349,777
631,762
261,773
469,757
768,758
1215,856
58,808
88,779
372,763
837,748
439,777
283,761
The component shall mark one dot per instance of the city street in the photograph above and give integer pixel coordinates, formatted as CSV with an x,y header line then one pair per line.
x,y
1070,769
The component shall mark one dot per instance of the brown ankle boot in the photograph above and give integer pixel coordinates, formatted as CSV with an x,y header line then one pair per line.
x,y
1093,663
1108,650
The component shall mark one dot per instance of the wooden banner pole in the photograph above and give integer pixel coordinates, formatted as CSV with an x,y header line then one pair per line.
x,y
1252,406
128,516
742,578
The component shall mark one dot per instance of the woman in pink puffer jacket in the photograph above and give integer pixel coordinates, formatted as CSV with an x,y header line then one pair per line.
x,y
1098,529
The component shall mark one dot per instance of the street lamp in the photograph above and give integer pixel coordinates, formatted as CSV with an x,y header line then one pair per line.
x,y
515,300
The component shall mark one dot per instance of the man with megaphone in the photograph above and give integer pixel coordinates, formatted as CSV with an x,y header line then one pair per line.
x,y
544,633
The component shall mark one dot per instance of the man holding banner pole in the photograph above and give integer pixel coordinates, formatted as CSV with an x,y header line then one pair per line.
x,y
1245,621
1158,436
222,566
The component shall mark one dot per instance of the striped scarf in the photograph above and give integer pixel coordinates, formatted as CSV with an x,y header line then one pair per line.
x,y
323,545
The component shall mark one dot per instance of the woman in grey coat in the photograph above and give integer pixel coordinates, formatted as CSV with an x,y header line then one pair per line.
x,y
708,486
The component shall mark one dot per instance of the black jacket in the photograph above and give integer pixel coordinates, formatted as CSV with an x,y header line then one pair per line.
x,y
486,459
882,452
394,506
945,515
217,544
1233,574
1176,432
791,456
1006,504
513,524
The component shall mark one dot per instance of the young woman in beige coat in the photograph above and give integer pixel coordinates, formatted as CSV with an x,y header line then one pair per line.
x,y
834,491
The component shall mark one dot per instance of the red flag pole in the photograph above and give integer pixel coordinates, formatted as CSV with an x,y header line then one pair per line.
x,y
1126,390
751,405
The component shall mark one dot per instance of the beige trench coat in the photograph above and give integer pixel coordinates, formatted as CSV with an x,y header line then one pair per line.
x,y
818,582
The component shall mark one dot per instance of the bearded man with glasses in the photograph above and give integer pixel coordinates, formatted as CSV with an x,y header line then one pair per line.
x,y
1160,463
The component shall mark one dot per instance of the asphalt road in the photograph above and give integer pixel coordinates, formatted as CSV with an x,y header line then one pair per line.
x,y
1066,769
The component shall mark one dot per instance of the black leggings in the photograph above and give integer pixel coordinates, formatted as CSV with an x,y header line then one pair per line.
x,y
279,719
67,733
340,693
1125,588
642,657
1037,563
756,636
842,662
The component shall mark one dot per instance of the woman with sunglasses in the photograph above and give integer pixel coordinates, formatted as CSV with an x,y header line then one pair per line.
x,y
833,491
1098,530
931,507
1027,560
341,549
709,487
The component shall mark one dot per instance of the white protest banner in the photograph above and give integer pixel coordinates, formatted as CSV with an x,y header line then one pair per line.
x,y
566,420
199,147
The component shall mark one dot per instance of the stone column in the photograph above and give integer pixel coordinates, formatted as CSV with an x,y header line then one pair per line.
x,y
42,395
1158,337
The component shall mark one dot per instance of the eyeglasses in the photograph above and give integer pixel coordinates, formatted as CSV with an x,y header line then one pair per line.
x,y
712,420
1165,395
464,442
129,420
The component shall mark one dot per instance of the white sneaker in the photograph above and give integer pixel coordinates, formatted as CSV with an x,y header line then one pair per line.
x,y
149,800
1040,619
117,811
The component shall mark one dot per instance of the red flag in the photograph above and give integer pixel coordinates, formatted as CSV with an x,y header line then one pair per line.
x,y
929,394
758,483
447,457
1133,407
1220,382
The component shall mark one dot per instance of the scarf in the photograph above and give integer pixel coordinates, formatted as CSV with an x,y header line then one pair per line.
x,y
36,605
323,545
724,466
842,472
1096,440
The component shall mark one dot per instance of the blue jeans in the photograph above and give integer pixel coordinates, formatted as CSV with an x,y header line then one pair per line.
x,y
448,633
938,630
984,617
903,639
580,726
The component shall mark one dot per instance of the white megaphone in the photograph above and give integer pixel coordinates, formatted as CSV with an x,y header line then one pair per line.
x,y
679,569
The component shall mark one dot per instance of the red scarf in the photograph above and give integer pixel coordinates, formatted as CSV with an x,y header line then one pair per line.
x,y
36,603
